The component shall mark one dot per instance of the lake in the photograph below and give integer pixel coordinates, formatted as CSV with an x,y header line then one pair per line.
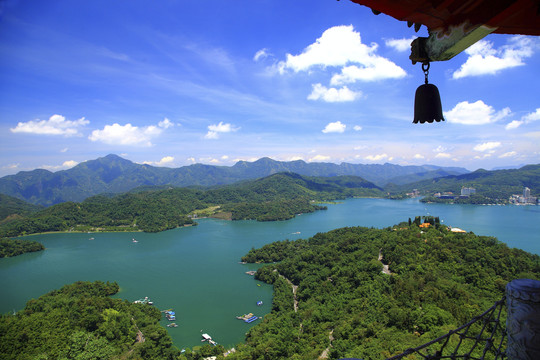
x,y
196,271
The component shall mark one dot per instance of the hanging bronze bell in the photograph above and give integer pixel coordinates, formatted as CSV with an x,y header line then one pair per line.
x,y
427,102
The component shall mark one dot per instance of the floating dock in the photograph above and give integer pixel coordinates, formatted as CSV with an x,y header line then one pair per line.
x,y
170,315
208,338
146,300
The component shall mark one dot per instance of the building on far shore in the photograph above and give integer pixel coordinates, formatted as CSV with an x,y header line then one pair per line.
x,y
467,191
525,199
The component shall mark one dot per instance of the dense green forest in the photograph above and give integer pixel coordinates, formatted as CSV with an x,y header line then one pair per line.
x,y
436,280
12,208
14,247
81,321
491,186
277,197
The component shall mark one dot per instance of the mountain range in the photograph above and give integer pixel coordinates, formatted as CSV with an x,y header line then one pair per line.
x,y
113,174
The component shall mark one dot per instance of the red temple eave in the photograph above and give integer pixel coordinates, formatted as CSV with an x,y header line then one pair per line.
x,y
454,25
507,17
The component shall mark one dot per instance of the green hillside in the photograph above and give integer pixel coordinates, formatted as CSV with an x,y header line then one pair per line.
x,y
330,293
12,208
276,197
81,321
491,186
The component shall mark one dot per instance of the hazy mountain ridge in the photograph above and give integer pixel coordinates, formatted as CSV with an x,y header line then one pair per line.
x,y
113,174
493,184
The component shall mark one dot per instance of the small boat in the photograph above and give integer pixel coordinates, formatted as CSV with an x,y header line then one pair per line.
x,y
91,239
172,325
134,240
259,303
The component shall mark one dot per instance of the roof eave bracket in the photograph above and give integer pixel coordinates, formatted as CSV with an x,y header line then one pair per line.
x,y
442,45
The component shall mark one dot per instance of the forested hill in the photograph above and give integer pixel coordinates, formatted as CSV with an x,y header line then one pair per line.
x,y
113,174
12,208
331,294
276,197
496,184
81,321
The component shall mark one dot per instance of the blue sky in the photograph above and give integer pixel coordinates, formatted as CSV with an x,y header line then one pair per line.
x,y
172,83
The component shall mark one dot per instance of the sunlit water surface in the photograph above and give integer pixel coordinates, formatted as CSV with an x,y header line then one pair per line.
x,y
196,271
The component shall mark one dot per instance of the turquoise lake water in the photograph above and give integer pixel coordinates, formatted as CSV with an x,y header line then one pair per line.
x,y
196,270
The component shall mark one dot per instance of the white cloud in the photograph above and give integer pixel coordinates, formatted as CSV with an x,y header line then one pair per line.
x,y
488,147
357,128
514,124
418,156
440,148
191,159
165,124
339,46
443,155
215,130
534,116
382,69
166,160
508,154
128,134
56,125
333,94
69,164
400,45
261,54
334,127
477,113
65,165
377,157
319,158
485,60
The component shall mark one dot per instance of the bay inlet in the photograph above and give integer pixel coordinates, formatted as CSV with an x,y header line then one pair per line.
x,y
196,271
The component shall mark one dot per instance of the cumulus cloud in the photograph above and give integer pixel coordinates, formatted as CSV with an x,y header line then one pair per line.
x,y
166,160
334,127
488,147
534,116
56,125
69,164
514,124
485,60
321,92
319,158
165,124
128,134
418,156
400,45
378,157
477,113
339,46
65,165
357,128
215,130
443,155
